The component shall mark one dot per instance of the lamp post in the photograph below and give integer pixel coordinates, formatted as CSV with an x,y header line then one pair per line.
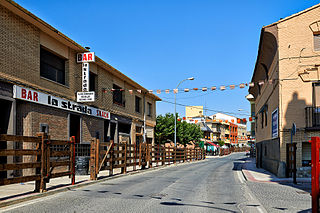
x,y
175,111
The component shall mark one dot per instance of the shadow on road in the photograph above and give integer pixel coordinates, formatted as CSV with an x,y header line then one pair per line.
x,y
193,205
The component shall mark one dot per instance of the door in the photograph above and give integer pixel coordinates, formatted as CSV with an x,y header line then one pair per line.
x,y
74,126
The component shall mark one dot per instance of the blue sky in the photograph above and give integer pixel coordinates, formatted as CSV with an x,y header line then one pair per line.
x,y
159,43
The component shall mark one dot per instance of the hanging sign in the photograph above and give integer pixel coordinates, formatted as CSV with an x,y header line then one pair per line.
x,y
85,57
275,123
85,77
85,96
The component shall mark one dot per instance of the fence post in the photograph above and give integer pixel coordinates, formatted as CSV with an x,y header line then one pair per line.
x,y
73,159
149,147
135,157
44,159
125,159
93,175
175,154
111,159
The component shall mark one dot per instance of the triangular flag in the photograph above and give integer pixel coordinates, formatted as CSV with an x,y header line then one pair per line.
x,y
251,84
175,91
186,90
204,88
241,86
213,88
139,91
232,86
150,91
167,91
195,89
158,91
222,87
130,91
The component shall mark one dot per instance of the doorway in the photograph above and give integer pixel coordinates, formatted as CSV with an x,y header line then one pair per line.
x,y
74,126
5,109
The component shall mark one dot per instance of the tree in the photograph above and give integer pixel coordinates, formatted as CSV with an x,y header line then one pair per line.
x,y
221,142
186,132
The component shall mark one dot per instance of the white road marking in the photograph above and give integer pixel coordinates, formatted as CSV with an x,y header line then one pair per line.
x,y
26,203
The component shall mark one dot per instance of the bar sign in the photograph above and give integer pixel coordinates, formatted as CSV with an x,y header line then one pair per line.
x,y
85,77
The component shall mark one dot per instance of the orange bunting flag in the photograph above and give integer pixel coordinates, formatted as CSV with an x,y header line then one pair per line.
x,y
250,118
175,91
213,88
244,120
226,121
232,120
239,120
195,89
232,86
196,121
150,91
184,118
222,88
204,89
179,119
251,84
158,91
167,91
186,90
242,86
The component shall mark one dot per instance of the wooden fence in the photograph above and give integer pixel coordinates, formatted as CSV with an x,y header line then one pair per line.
x,y
48,159
109,156
227,151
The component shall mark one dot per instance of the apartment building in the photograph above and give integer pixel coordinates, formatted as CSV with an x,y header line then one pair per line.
x,y
286,89
39,79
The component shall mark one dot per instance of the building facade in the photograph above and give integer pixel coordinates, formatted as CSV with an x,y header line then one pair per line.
x,y
39,80
286,89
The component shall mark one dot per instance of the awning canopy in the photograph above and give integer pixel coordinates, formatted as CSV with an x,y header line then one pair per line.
x,y
213,144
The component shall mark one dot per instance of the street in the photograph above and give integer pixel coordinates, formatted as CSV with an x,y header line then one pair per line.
x,y
213,185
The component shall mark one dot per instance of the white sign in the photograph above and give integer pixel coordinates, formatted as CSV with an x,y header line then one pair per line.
x,y
52,101
85,57
85,96
85,77
275,124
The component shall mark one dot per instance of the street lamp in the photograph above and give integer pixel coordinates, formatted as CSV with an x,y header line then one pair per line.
x,y
175,111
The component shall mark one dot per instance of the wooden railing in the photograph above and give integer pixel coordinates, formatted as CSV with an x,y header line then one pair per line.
x,y
109,156
44,161
227,151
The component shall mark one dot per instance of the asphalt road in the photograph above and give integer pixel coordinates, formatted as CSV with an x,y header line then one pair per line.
x,y
213,185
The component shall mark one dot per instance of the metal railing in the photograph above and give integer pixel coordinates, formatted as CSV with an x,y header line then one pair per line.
x,y
312,117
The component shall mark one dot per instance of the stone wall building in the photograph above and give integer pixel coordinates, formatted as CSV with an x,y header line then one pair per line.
x,y
39,80
286,89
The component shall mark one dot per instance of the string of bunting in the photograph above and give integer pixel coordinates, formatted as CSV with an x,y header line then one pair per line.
x,y
204,89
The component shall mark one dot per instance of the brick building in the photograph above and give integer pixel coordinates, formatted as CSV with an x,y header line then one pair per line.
x,y
286,89
39,79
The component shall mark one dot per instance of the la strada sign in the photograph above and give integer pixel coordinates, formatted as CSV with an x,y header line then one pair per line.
x,y
56,102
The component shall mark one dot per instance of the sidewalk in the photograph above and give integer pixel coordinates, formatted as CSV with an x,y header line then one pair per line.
x,y
254,174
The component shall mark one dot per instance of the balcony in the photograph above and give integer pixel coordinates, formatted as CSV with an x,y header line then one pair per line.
x,y
313,118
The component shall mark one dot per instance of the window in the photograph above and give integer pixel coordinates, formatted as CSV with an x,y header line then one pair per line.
x,y
52,67
316,42
266,117
118,96
138,104
149,113
92,82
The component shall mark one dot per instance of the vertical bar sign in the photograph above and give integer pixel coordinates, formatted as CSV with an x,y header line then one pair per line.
x,y
85,77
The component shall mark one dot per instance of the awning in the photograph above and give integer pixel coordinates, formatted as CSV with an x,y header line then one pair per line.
x,y
213,144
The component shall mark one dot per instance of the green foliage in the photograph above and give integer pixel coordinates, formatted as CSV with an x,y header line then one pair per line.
x,y
186,132
220,142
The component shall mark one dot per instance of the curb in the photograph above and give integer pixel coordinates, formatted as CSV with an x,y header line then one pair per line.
x,y
89,182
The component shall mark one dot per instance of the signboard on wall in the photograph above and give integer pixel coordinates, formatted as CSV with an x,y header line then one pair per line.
x,y
85,77
275,124
85,57
85,96
30,95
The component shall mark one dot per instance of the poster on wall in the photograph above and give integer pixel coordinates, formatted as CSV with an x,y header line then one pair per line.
x,y
275,124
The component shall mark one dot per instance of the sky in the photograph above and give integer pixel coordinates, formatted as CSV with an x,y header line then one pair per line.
x,y
159,43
